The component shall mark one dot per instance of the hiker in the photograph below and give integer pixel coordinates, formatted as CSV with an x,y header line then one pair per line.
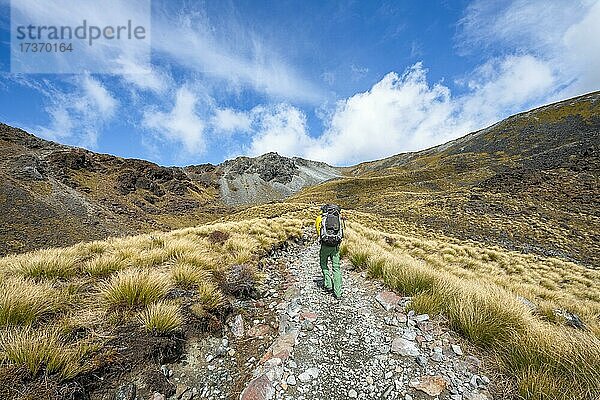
x,y
330,231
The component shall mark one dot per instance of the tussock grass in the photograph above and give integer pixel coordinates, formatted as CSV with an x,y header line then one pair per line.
x,y
48,263
134,287
546,360
54,302
161,318
105,265
188,275
35,349
23,301
209,296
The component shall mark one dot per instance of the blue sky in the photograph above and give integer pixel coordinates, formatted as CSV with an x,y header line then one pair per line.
x,y
341,82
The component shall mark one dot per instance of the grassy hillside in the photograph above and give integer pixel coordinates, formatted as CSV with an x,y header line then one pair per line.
x,y
513,306
99,307
529,183
92,196
499,231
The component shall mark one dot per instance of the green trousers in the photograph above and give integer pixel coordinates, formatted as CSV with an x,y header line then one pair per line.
x,y
325,254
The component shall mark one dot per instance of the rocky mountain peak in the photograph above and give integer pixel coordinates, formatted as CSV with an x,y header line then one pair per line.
x,y
269,166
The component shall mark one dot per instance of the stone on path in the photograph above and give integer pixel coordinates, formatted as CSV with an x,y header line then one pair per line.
x,y
282,347
291,380
309,375
422,317
309,316
457,350
259,330
237,326
432,385
404,347
388,300
259,388
352,394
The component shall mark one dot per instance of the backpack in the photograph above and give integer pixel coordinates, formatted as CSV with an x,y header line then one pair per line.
x,y
332,230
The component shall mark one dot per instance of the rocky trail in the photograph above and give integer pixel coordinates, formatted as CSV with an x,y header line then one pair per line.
x,y
308,345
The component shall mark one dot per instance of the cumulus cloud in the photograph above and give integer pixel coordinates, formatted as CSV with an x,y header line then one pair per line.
x,y
405,113
180,125
280,128
397,113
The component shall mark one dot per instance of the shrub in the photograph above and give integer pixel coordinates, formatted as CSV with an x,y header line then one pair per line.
x,y
161,318
134,287
218,237
23,301
240,281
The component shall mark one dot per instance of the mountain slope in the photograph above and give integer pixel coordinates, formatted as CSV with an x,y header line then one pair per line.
x,y
45,185
530,182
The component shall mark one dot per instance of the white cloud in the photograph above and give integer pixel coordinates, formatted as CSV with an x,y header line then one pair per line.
x,y
583,51
227,120
77,116
241,59
98,96
399,113
180,125
504,86
280,128
145,77
405,113
560,35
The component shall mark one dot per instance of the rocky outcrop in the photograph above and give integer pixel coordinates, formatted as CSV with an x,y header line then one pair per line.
x,y
269,177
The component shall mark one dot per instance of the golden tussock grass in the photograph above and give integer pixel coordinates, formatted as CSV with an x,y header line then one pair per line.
x,y
161,318
134,287
79,287
187,275
23,301
209,296
35,349
545,359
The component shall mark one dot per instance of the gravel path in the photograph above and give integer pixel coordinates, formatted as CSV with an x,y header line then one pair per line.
x,y
363,346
